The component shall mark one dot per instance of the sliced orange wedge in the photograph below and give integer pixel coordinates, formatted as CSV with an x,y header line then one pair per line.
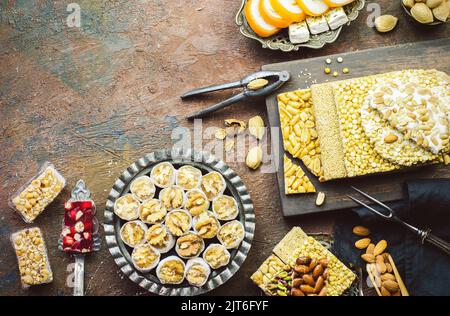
x,y
270,15
254,18
288,10
337,3
313,7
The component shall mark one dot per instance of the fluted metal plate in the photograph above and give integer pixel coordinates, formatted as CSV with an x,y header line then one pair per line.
x,y
206,163
281,40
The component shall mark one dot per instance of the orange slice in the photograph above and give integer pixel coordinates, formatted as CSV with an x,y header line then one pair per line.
x,y
337,3
288,9
313,7
269,14
254,18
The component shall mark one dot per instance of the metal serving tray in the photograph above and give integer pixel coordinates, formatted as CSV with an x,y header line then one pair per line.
x,y
206,163
281,40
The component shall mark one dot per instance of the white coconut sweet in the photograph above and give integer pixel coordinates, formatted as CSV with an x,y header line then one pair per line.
x,y
127,207
133,233
163,174
183,240
143,188
225,208
202,225
173,223
188,177
145,257
197,272
173,197
168,241
171,270
231,234
192,202
216,256
213,185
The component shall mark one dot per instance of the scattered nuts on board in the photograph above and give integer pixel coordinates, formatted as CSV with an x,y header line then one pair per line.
x,y
361,231
257,84
254,157
234,127
320,198
385,23
256,127
370,248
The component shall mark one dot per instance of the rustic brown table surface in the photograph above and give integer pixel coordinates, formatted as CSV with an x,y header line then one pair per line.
x,y
93,99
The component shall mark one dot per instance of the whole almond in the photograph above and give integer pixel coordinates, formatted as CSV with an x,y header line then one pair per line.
x,y
380,247
408,3
257,84
387,276
389,268
381,266
384,292
256,127
391,286
362,243
385,23
307,289
370,248
254,157
361,231
368,258
390,138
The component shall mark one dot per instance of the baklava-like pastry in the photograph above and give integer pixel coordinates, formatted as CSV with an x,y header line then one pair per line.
x,y
189,245
189,177
225,207
213,184
206,225
231,234
163,174
196,202
145,257
127,207
143,188
160,237
197,272
217,256
152,211
172,197
178,222
133,233
171,270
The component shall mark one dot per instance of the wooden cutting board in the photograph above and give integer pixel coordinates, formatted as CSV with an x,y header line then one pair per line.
x,y
385,187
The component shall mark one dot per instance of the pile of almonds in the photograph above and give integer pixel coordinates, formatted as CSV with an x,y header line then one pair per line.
x,y
307,278
428,11
378,262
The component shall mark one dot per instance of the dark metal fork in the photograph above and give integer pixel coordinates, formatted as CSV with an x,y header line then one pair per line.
x,y
424,235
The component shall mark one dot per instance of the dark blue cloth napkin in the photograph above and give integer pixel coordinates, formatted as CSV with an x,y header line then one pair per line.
x,y
424,269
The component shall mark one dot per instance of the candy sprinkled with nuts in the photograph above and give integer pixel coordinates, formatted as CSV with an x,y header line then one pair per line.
x,y
32,257
39,194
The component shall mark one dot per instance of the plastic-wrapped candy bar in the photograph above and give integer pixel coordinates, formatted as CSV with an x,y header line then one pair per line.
x,y
78,226
32,198
32,257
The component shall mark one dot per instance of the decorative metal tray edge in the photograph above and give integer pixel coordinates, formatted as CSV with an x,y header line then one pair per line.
x,y
182,156
281,42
